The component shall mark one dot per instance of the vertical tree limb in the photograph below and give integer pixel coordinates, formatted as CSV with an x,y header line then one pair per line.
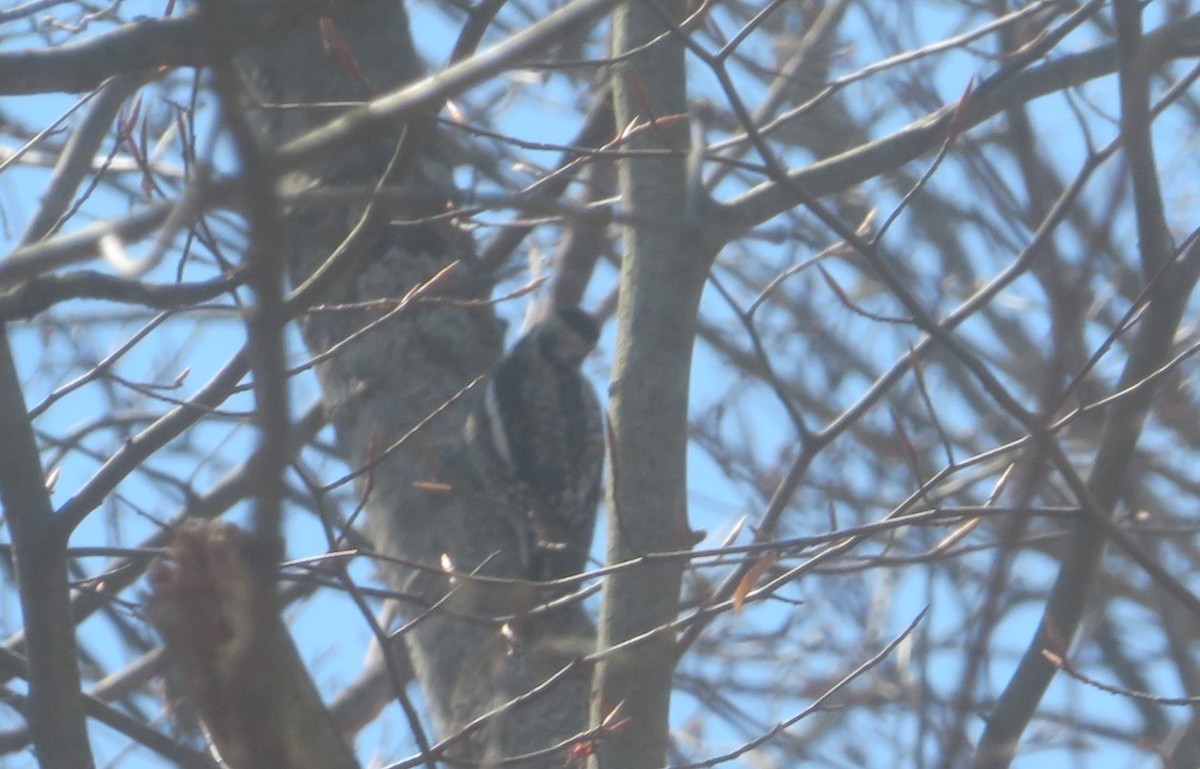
x,y
55,712
662,274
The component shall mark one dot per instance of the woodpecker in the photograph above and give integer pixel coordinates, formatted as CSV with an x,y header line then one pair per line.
x,y
536,440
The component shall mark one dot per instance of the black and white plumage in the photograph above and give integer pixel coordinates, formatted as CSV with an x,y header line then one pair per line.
x,y
536,440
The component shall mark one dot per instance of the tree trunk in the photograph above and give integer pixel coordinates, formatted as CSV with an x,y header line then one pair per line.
x,y
662,274
405,377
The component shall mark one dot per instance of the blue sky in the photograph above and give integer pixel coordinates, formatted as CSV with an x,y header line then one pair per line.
x,y
332,636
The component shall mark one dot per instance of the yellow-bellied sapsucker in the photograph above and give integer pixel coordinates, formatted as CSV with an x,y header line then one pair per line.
x,y
536,440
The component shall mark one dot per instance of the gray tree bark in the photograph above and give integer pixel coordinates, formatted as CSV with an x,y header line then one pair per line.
x,y
662,274
404,378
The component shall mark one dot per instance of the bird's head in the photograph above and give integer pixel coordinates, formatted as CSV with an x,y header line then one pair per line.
x,y
568,335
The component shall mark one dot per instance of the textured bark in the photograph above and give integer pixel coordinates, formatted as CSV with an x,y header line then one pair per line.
x,y
662,274
387,381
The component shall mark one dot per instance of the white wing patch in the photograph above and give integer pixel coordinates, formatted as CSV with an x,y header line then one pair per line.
x,y
496,425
